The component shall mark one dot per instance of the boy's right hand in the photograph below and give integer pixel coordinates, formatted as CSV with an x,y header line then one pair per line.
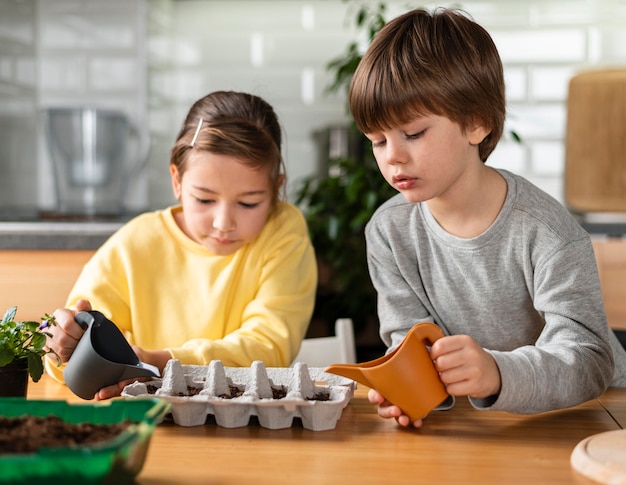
x,y
388,410
67,332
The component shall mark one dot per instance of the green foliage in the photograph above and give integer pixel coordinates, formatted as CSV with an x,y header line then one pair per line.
x,y
368,19
25,340
337,208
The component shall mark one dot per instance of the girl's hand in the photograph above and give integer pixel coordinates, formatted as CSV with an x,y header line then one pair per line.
x,y
465,367
387,410
114,390
67,332
158,358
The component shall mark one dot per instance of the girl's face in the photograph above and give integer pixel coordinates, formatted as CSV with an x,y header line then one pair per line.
x,y
427,158
225,203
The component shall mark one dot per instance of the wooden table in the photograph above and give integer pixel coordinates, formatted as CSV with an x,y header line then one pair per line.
x,y
459,446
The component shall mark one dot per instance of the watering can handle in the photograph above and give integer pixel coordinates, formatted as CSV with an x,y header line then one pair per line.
x,y
428,332
85,319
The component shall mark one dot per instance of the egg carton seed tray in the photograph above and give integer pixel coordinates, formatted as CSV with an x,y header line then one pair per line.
x,y
275,395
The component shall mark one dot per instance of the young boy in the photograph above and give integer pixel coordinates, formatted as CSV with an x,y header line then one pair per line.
x,y
499,265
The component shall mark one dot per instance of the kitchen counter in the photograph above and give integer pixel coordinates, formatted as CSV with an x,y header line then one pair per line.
x,y
56,234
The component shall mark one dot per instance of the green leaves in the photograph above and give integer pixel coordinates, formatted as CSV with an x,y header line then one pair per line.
x,y
24,340
369,20
337,208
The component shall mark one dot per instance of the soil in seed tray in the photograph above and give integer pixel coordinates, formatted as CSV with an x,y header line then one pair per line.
x,y
27,434
236,391
319,396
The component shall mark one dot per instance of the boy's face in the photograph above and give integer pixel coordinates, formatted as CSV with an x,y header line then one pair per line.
x,y
225,203
426,158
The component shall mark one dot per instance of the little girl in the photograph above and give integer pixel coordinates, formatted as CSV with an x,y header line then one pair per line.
x,y
228,274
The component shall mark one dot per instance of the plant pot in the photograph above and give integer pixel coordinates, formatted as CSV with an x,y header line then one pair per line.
x,y
14,379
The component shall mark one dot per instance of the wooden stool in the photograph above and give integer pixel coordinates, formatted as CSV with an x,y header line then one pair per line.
x,y
595,145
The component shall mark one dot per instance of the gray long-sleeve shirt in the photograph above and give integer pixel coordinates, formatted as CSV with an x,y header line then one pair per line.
x,y
526,289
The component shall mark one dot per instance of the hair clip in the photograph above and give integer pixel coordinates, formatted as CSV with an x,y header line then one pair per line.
x,y
195,136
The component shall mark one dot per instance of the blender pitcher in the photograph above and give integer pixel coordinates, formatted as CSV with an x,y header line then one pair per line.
x,y
89,151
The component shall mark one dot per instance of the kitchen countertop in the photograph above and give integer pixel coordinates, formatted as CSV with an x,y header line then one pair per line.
x,y
76,234
32,228
56,234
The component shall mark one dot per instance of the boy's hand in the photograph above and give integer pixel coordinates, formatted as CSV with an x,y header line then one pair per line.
x,y
388,410
465,367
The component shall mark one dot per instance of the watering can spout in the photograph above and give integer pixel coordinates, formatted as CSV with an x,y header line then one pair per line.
x,y
406,376
140,370
351,371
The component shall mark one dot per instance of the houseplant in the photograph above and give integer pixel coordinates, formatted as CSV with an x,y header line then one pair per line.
x,y
337,208
338,202
22,348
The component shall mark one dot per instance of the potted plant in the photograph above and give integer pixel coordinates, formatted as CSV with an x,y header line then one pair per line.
x,y
337,208
22,348
337,203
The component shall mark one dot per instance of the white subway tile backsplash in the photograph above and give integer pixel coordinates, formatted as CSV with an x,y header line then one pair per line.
x,y
190,53
613,44
111,74
509,156
56,35
258,42
492,14
550,83
26,71
307,88
541,45
539,121
516,81
160,51
62,73
96,51
6,68
189,85
562,12
548,158
551,185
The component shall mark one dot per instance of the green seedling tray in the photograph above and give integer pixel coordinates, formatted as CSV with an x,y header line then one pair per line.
x,y
116,461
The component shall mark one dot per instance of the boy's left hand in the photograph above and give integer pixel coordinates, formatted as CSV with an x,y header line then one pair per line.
x,y
465,367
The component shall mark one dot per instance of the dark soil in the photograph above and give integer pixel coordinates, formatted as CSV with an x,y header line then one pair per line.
x,y
279,392
27,434
319,396
236,391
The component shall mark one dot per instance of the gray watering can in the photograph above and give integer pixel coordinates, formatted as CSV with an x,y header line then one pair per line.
x,y
102,357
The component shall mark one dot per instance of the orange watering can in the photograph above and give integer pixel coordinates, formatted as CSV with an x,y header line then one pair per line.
x,y
407,376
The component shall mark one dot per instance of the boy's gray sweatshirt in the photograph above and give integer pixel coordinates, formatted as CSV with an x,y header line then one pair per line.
x,y
527,290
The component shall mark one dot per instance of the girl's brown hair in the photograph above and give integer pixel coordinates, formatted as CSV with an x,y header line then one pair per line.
x,y
442,64
235,124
